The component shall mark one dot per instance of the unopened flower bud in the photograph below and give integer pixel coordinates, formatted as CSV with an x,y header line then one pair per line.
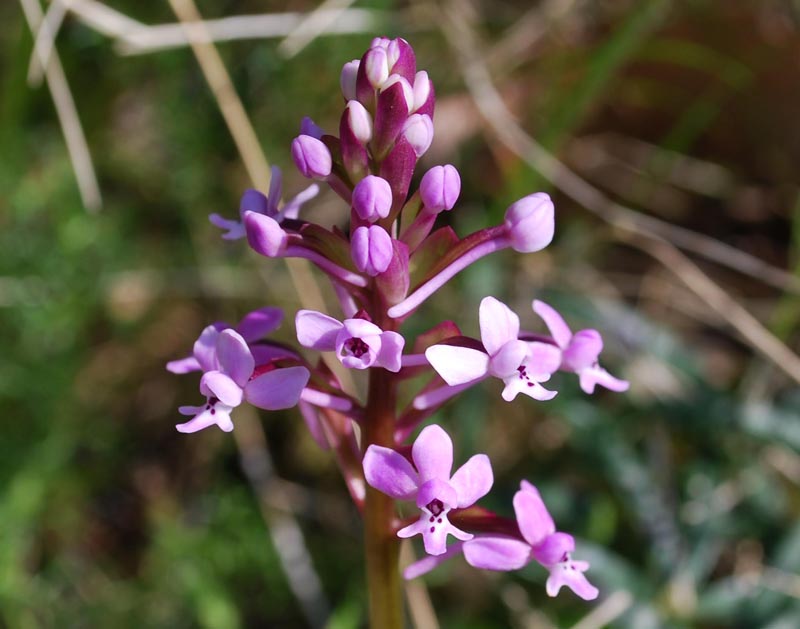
x,y
264,234
371,249
360,121
408,91
347,80
377,67
439,188
530,223
311,156
422,90
372,198
418,130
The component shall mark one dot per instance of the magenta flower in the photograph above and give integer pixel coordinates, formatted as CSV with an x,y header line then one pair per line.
x,y
359,344
521,365
430,485
255,201
253,327
234,380
542,542
579,351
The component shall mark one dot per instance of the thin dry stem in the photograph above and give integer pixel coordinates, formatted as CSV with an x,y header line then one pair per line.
x,y
313,25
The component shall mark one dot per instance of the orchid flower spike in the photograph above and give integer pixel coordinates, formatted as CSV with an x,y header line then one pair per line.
x,y
522,366
430,485
255,201
359,344
579,351
543,543
235,379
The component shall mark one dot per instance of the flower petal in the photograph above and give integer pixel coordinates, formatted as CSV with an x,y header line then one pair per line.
x,y
543,359
437,489
278,389
554,322
257,324
533,518
434,538
184,365
316,330
553,549
390,472
205,348
473,480
457,365
221,386
583,350
433,454
531,388
597,375
391,350
429,562
570,573
508,358
499,324
496,553
234,356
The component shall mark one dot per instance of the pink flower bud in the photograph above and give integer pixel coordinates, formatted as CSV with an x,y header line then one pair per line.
x,y
530,223
311,156
372,198
418,130
408,91
422,90
439,188
347,80
264,234
360,121
377,67
371,249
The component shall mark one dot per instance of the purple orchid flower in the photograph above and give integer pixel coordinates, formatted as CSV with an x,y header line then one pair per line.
x,y
358,343
235,379
254,326
430,485
542,543
521,365
255,201
579,351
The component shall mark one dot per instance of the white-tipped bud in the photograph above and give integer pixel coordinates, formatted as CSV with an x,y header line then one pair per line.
x,y
377,67
408,91
422,89
360,121
348,79
418,130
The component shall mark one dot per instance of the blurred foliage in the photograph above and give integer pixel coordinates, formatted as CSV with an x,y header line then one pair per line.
x,y
683,493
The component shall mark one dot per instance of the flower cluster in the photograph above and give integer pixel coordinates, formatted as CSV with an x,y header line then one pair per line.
x,y
389,259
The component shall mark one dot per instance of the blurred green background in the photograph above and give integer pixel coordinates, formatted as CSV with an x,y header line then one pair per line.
x,y
684,493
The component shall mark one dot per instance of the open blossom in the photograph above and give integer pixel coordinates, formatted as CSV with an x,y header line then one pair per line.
x,y
542,543
522,366
234,379
358,343
579,351
255,201
435,491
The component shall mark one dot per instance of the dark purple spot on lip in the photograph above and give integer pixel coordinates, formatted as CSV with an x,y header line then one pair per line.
x,y
530,384
213,411
356,347
432,518
440,520
433,528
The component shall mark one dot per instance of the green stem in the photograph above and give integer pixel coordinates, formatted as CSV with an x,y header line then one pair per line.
x,y
381,545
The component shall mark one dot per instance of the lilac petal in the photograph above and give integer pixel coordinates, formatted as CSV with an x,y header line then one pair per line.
x,y
311,417
499,324
413,529
221,418
473,480
292,208
583,350
360,328
263,353
434,538
184,365
191,410
516,385
235,229
437,489
257,324
253,201
234,357
264,234
554,322
544,359
553,548
275,185
593,376
316,330
508,359
433,453
221,386
533,517
391,350
205,348
278,389
390,472
570,573
457,365
497,553
429,562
